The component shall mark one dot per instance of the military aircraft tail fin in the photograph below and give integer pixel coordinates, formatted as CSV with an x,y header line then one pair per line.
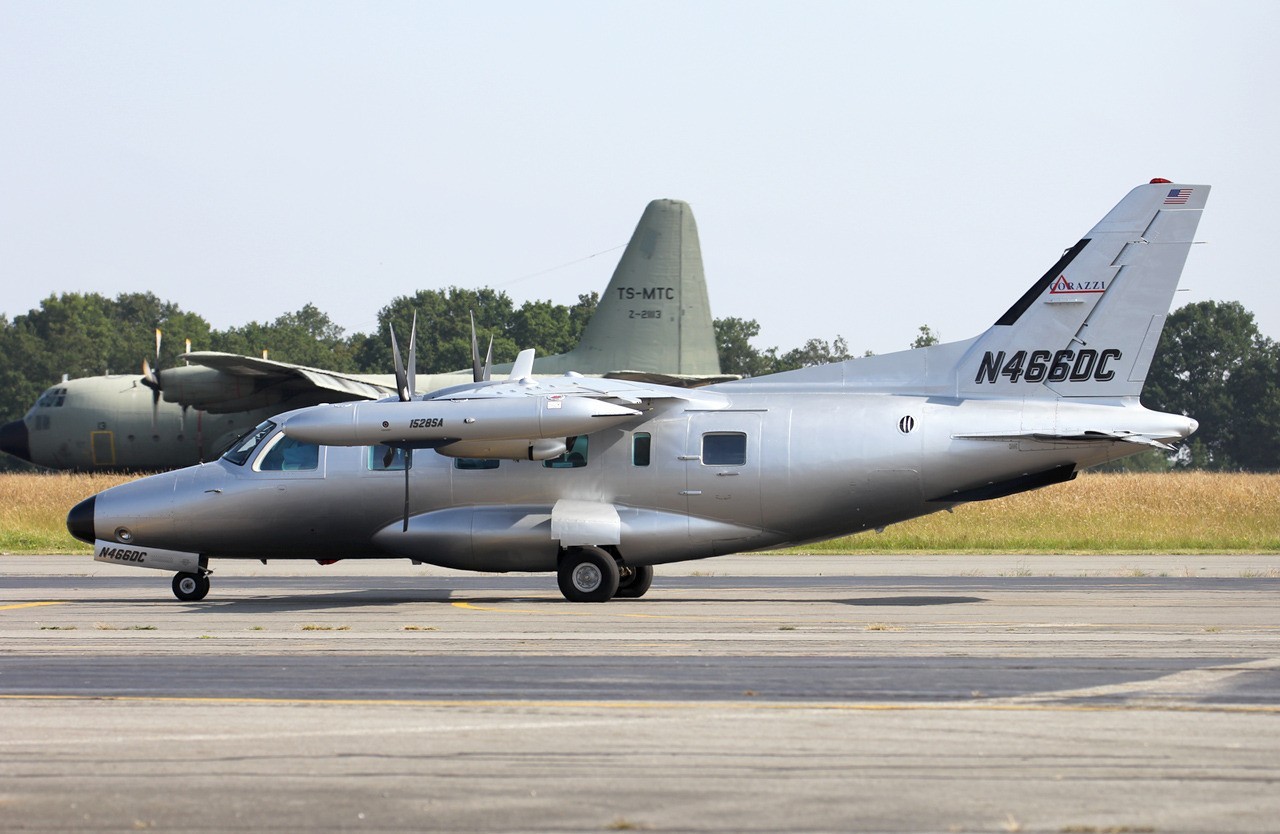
x,y
654,316
1090,325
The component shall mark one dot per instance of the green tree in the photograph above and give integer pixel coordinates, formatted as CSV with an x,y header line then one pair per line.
x,y
733,344
925,337
1202,346
1254,390
306,337
815,352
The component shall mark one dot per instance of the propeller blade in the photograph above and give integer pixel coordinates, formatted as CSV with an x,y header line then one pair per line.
x,y
158,337
488,359
413,364
402,384
477,373
408,464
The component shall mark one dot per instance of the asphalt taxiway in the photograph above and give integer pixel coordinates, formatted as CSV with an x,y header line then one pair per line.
x,y
752,693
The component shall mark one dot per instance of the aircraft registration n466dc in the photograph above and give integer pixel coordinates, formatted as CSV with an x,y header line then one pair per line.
x,y
599,480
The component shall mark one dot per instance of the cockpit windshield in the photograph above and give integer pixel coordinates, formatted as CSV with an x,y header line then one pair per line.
x,y
242,449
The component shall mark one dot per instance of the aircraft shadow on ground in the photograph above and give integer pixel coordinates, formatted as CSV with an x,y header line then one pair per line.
x,y
911,601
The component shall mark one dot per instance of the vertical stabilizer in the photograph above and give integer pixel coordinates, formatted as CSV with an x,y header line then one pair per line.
x,y
1089,327
654,316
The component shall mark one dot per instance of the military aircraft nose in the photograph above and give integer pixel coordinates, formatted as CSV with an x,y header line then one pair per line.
x,y
14,440
80,520
1194,424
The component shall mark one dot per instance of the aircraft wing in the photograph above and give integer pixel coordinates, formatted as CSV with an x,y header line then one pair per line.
x,y
676,380
227,382
575,385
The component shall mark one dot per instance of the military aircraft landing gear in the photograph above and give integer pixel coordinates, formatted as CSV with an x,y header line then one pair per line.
x,y
635,581
588,574
190,587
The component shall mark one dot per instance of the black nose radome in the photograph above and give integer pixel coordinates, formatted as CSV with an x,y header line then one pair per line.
x,y
14,440
80,520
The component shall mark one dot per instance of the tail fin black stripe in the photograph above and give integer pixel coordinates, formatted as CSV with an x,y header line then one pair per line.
x,y
1037,289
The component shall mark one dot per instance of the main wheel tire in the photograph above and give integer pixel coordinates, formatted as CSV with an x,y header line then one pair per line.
x,y
588,574
635,582
190,587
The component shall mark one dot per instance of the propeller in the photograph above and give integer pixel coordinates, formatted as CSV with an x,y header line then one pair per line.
x,y
152,381
405,379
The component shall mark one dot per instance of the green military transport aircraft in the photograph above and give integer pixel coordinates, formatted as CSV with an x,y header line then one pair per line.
x,y
652,324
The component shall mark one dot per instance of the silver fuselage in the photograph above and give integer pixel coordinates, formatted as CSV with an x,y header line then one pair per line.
x,y
841,463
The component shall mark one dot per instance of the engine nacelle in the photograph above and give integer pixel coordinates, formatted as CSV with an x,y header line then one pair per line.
x,y
540,449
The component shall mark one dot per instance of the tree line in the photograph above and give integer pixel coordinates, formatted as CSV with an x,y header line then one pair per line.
x,y
1212,364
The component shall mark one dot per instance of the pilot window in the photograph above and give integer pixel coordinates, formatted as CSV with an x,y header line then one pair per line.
x,y
289,455
53,398
384,459
724,449
641,443
475,463
573,458
241,449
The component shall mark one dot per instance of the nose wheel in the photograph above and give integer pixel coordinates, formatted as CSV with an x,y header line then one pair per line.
x,y
190,587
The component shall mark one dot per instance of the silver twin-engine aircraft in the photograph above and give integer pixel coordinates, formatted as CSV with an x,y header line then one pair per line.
x,y
599,480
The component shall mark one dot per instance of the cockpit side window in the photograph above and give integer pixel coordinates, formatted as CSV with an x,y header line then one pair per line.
x,y
289,455
242,449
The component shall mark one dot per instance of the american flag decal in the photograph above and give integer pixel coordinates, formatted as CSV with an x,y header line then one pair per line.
x,y
1178,197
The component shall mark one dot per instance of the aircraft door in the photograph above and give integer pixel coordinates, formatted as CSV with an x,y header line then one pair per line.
x,y
722,467
102,447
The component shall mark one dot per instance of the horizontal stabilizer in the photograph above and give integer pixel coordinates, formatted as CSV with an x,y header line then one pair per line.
x,y
1079,437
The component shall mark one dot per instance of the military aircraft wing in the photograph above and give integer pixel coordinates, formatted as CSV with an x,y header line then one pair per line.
x,y
256,376
676,380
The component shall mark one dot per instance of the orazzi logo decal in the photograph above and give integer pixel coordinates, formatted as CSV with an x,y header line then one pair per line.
x,y
1064,287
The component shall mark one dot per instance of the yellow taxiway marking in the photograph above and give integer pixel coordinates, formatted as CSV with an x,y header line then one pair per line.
x,y
31,604
758,706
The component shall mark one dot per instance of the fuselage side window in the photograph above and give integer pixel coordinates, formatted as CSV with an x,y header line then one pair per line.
x,y
289,455
384,459
724,449
475,463
641,444
243,448
573,458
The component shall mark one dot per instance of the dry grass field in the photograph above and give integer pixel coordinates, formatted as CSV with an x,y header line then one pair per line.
x,y
1190,512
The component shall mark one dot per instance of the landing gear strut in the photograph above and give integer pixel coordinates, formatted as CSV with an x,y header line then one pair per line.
x,y
190,587
588,574
635,581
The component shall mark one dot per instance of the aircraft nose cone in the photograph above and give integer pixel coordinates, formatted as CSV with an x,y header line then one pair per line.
x,y
14,440
80,520
1193,425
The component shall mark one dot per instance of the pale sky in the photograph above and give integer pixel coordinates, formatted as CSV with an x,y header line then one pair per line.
x,y
854,168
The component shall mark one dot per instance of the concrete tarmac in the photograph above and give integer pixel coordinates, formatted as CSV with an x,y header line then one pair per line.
x,y
752,693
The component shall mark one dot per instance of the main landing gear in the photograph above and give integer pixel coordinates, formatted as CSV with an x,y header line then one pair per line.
x,y
592,574
190,587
